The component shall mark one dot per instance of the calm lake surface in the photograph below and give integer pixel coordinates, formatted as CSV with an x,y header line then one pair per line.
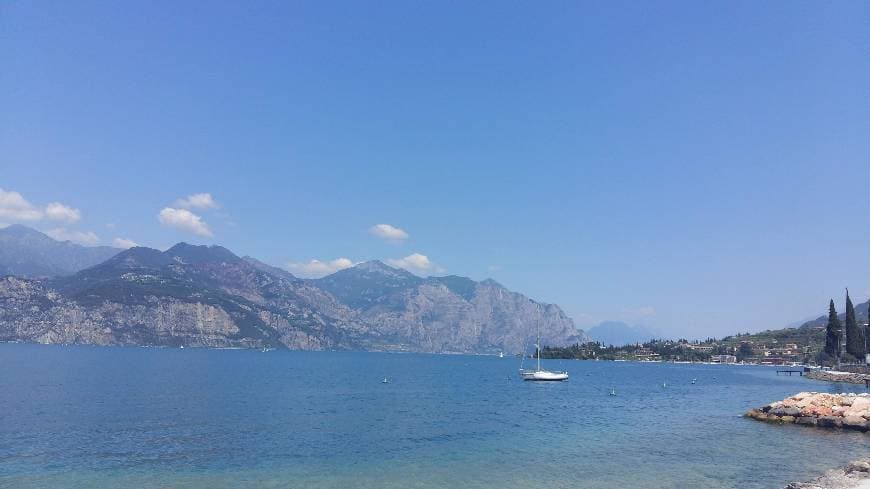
x,y
87,417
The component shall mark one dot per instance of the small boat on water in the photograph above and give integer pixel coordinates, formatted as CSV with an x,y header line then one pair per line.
x,y
501,354
539,374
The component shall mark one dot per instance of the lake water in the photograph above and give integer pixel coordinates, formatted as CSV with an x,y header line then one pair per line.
x,y
83,417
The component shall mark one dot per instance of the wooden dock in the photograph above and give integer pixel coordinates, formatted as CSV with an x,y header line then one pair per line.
x,y
790,372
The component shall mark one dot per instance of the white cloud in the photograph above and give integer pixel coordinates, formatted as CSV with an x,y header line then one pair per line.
x,y
389,233
494,268
415,262
317,268
81,237
200,201
124,243
184,220
15,207
59,212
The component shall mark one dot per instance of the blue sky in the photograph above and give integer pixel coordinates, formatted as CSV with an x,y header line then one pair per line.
x,y
702,167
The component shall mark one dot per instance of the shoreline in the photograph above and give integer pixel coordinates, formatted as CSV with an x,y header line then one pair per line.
x,y
826,411
837,376
855,475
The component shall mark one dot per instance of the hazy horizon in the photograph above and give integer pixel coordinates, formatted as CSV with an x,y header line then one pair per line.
x,y
699,169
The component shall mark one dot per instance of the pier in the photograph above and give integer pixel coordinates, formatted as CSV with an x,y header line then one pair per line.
x,y
790,372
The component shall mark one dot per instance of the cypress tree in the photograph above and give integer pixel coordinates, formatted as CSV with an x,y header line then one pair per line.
x,y
832,333
854,335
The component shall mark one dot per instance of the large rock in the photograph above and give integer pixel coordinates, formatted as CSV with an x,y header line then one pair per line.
x,y
851,411
855,423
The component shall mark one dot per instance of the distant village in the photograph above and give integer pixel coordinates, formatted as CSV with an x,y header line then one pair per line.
x,y
836,343
745,351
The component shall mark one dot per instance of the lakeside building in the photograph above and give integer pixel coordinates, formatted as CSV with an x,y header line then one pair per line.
x,y
723,359
644,353
700,347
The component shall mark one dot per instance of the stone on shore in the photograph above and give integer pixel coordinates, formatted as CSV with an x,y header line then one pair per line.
x,y
835,376
847,411
856,475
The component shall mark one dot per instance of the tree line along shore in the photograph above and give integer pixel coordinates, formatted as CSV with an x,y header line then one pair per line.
x,y
837,343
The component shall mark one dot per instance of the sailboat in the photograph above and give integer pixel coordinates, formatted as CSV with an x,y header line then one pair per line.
x,y
539,373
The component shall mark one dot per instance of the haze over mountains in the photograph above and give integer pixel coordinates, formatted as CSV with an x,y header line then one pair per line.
x,y
207,296
618,333
861,313
26,252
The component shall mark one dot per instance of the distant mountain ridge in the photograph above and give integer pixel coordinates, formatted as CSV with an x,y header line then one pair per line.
x,y
822,321
618,333
26,252
208,296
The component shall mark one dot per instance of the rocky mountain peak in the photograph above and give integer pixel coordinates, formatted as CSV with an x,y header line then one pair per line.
x,y
138,257
196,254
21,231
26,252
367,283
377,266
491,283
265,267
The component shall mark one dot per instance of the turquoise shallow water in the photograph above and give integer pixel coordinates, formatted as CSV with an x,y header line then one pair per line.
x,y
83,417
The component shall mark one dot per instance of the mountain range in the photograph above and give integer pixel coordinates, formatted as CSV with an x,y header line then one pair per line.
x,y
26,252
208,296
618,333
861,316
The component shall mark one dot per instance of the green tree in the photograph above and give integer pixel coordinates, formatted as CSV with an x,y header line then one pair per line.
x,y
832,333
745,351
854,333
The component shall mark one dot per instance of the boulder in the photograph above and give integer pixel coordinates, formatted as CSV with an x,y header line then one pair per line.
x,y
816,410
786,411
807,420
861,402
859,466
830,421
856,412
855,423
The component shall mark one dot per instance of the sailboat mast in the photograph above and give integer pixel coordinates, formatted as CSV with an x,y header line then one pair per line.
x,y
538,347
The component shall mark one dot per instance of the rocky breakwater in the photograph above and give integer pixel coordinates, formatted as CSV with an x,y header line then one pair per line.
x,y
847,411
834,376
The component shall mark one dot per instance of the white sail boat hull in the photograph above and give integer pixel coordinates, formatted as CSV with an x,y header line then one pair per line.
x,y
539,374
543,375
